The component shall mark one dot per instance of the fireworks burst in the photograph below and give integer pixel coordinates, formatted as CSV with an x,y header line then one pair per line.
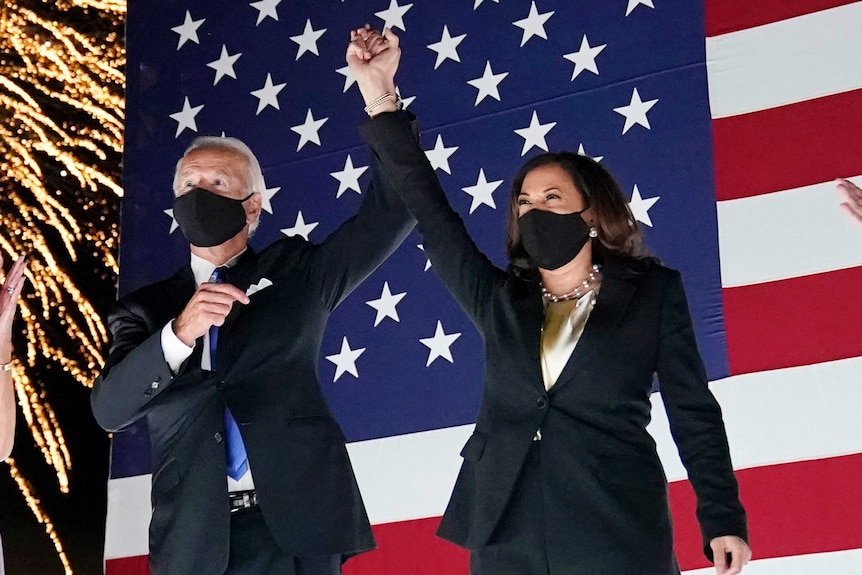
x,y
61,122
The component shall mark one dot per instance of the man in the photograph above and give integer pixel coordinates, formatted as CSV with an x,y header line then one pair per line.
x,y
250,471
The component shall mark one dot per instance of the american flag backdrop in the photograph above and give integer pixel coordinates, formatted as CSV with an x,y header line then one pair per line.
x,y
725,123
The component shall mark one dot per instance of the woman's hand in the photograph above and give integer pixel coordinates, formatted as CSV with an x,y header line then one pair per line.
x,y
731,545
8,304
852,195
373,60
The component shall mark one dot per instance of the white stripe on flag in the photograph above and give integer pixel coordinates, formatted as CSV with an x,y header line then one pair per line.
x,y
780,416
785,62
767,237
408,476
128,517
835,563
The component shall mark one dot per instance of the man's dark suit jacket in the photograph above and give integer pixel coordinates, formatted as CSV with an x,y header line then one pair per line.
x,y
267,375
606,508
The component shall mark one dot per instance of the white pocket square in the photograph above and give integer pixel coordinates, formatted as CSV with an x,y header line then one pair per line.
x,y
254,288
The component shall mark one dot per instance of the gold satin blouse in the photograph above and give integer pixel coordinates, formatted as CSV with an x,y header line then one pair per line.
x,y
564,325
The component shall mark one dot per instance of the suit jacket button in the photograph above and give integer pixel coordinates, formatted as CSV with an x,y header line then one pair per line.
x,y
218,437
541,403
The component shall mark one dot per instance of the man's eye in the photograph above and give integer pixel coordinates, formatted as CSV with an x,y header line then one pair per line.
x,y
218,182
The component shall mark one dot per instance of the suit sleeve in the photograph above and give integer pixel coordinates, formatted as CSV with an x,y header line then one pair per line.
x,y
353,251
467,273
696,423
136,371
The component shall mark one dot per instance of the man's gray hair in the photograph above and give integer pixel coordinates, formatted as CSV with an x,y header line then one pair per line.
x,y
255,175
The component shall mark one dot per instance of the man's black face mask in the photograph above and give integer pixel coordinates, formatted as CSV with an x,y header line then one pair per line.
x,y
207,219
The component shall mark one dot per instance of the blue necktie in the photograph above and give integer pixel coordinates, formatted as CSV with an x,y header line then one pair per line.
x,y
237,460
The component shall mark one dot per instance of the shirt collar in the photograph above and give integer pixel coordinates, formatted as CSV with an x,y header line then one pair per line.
x,y
203,269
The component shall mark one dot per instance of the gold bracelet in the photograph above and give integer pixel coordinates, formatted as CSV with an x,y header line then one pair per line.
x,y
386,97
6,366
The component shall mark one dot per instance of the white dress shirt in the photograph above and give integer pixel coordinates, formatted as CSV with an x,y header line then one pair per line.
x,y
176,352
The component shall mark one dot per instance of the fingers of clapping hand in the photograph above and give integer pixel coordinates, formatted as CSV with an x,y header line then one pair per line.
x,y
14,279
852,195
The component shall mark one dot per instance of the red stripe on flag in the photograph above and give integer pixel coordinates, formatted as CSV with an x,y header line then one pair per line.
x,y
793,509
793,322
723,16
410,547
788,147
137,565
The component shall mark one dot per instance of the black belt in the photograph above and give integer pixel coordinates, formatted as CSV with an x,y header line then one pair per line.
x,y
242,500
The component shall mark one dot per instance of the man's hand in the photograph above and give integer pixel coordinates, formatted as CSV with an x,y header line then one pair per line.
x,y
373,60
731,545
208,307
852,196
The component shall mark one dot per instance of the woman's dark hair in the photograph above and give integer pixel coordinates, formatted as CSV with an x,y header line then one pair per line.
x,y
618,232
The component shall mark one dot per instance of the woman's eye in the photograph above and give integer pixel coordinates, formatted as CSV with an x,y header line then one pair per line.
x,y
552,197
523,201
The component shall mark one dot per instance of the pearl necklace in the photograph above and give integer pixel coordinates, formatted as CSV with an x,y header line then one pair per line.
x,y
594,279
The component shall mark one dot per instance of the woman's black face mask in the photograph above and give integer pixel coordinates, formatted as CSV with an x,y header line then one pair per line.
x,y
552,240
207,219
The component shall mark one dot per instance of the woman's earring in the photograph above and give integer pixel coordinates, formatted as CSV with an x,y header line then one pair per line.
x,y
594,233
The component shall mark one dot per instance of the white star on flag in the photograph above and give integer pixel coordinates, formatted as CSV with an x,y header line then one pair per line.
x,y
582,152
307,41
345,360
447,47
385,304
636,111
487,84
266,198
640,206
393,17
439,155
534,24
635,3
224,65
585,58
308,130
427,261
268,95
188,30
478,3
534,134
438,346
349,80
174,224
482,192
348,178
266,8
404,101
300,228
185,118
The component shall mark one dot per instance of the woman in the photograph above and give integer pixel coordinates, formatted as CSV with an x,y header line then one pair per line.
x,y
560,476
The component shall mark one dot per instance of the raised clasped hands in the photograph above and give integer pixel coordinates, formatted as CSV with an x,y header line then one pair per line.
x,y
730,554
209,306
373,60
852,195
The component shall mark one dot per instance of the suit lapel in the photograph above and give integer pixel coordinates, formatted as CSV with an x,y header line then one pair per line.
x,y
241,276
526,297
611,305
